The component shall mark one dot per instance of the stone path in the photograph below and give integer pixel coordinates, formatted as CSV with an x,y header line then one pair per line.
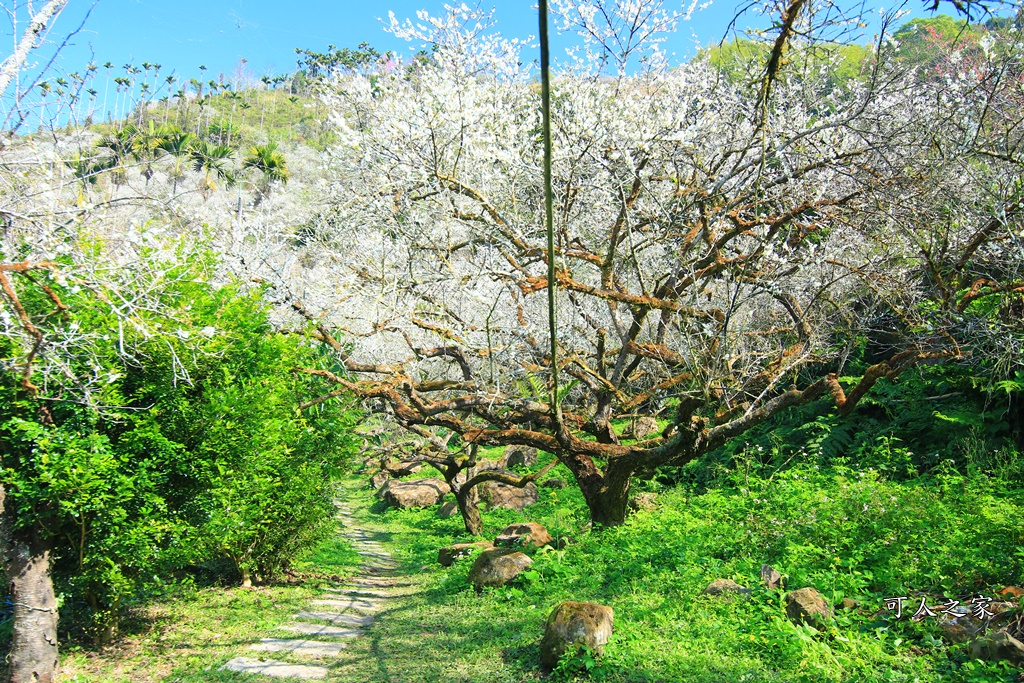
x,y
342,613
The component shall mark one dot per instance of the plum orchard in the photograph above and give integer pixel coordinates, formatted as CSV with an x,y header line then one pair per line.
x,y
721,243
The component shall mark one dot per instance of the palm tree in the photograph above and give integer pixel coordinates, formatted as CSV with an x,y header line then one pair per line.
x,y
263,101
176,143
86,170
106,88
234,97
213,159
122,144
270,162
44,88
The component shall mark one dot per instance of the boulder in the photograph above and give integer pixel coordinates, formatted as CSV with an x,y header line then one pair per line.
x,y
497,566
449,509
960,624
807,606
771,578
446,556
498,495
642,428
524,456
572,625
527,534
402,468
485,466
413,494
553,483
642,501
378,480
727,587
999,646
847,604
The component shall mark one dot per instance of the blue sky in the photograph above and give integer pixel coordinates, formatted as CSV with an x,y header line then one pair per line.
x,y
183,34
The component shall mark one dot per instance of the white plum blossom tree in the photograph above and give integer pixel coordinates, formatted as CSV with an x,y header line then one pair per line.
x,y
718,241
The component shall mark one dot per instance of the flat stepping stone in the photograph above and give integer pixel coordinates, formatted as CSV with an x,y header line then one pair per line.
x,y
380,582
304,648
346,604
385,573
323,631
275,669
337,618
361,592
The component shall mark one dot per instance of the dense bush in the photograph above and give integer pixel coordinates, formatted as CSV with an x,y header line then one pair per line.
x,y
196,453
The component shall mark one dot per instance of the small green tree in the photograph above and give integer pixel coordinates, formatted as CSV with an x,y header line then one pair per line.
x,y
271,163
213,159
177,144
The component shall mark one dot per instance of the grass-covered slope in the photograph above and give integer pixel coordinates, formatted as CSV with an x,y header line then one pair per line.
x,y
909,497
900,500
846,532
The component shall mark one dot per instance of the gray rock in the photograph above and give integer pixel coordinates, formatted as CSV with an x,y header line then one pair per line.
x,y
807,606
553,483
324,631
484,466
275,669
403,468
960,624
360,592
999,646
378,480
447,556
337,618
727,587
303,648
413,494
771,578
497,567
498,495
348,603
523,456
521,535
642,501
449,509
642,428
377,582
575,624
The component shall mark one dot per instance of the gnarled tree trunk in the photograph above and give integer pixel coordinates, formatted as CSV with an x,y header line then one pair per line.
x,y
468,501
607,493
26,558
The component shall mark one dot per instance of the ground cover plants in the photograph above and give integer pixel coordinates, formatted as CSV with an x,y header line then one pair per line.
x,y
854,532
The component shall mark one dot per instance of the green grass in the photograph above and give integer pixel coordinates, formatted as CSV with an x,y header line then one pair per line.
x,y
943,533
189,633
848,532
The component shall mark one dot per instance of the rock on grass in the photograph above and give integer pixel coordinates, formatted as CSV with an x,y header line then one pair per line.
x,y
497,566
575,624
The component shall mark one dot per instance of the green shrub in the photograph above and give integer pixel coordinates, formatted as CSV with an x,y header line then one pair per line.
x,y
194,452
